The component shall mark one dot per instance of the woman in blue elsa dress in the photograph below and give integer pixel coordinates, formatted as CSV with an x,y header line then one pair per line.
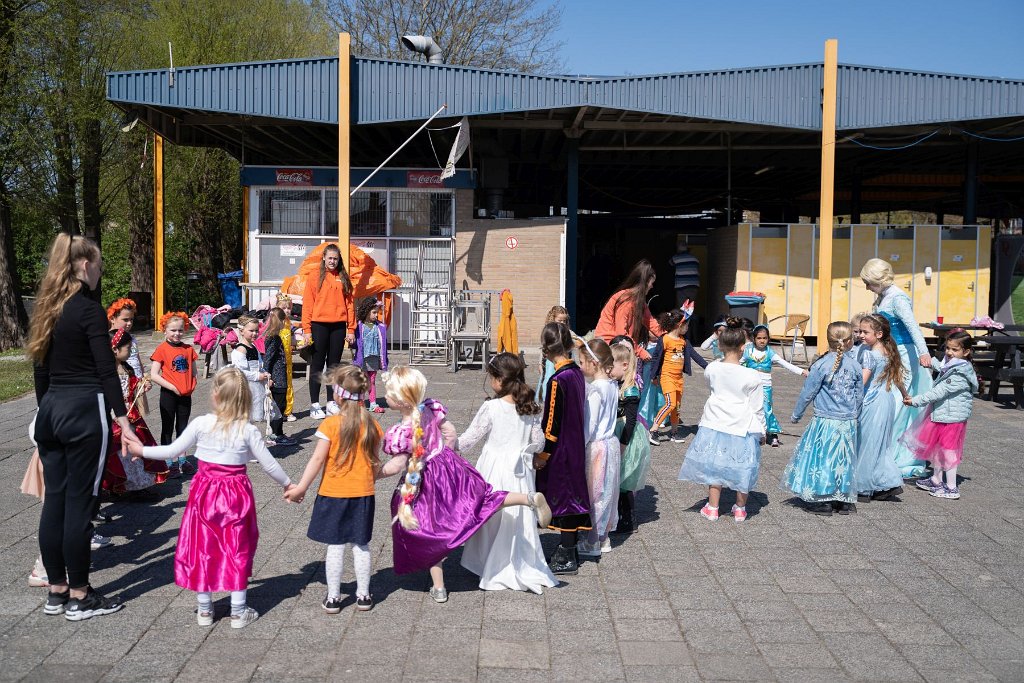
x,y
895,306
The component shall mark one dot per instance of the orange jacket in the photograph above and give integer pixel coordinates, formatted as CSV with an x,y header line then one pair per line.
x,y
614,322
326,304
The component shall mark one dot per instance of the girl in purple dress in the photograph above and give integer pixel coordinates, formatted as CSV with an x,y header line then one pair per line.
x,y
441,499
562,465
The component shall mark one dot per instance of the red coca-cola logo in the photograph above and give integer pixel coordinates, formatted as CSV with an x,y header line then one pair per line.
x,y
423,179
294,176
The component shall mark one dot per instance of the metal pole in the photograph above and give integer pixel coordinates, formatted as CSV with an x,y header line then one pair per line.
x,y
825,218
572,205
728,179
408,140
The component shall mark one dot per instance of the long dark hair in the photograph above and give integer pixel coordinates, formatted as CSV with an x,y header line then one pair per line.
x,y
893,373
555,340
510,372
346,282
636,284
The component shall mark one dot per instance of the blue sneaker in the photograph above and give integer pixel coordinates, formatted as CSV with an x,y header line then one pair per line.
x,y
926,484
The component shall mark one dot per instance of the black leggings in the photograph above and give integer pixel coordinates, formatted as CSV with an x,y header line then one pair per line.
x,y
72,432
174,413
280,397
328,345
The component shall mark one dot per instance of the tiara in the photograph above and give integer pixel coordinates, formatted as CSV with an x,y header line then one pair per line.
x,y
346,395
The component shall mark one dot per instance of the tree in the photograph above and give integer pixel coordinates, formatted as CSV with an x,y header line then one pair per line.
x,y
498,34
13,319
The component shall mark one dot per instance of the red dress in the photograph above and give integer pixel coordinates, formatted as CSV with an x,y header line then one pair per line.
x,y
121,474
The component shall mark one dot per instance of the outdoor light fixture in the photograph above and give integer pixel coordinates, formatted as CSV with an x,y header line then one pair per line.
x,y
761,171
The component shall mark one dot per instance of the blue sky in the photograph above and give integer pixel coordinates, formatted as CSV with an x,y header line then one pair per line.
x,y
616,37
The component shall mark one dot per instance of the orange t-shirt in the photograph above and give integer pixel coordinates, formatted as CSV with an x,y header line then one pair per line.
x,y
673,361
176,363
354,478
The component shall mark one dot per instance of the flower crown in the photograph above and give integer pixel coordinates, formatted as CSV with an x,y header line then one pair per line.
x,y
120,304
171,315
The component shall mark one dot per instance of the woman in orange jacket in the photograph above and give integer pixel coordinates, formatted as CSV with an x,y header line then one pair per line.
x,y
626,312
326,315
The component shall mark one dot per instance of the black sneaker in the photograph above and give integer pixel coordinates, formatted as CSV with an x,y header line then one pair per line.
x,y
564,561
364,603
823,509
887,494
92,605
863,498
102,517
332,605
678,435
775,442
56,603
284,441
847,509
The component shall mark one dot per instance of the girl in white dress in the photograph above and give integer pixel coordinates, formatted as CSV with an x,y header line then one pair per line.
x,y
506,552
603,451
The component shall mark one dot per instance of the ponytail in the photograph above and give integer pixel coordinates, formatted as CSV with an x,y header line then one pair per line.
x,y
413,477
509,370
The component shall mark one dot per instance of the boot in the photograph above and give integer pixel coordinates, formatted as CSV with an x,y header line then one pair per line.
x,y
625,525
564,561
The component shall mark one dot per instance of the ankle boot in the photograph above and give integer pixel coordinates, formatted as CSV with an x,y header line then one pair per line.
x,y
564,561
625,525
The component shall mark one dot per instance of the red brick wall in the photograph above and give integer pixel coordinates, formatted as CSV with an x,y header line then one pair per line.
x,y
531,270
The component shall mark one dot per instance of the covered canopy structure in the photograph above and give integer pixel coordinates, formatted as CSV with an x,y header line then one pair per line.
x,y
711,143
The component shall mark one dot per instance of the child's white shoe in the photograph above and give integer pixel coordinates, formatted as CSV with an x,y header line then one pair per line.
x,y
205,618
242,620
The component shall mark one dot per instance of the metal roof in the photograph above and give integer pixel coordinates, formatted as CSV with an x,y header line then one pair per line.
x,y
395,91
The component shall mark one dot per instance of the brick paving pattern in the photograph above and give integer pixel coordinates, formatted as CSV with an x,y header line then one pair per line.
x,y
923,589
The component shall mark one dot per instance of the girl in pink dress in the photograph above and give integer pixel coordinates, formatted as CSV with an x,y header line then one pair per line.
x,y
218,536
441,499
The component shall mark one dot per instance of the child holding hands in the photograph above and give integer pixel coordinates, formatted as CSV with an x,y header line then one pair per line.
x,y
346,461
726,453
218,536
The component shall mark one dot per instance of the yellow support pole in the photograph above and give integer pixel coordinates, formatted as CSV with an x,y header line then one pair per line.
x,y
825,217
158,228
344,122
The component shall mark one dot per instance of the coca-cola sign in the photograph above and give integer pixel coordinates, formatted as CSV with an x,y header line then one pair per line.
x,y
423,179
294,176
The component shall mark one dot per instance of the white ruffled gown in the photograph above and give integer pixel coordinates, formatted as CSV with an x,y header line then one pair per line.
x,y
506,552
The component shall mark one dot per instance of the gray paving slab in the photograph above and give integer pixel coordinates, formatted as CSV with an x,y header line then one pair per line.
x,y
920,589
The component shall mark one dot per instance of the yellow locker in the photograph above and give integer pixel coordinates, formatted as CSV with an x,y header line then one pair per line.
x,y
841,274
768,273
981,290
896,245
864,241
958,274
743,256
927,243
800,278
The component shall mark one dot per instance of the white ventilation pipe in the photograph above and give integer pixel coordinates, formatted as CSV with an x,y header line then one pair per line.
x,y
425,45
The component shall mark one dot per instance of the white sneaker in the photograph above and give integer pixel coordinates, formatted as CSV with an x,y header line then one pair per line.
x,y
332,408
606,546
316,412
291,418
204,618
99,542
242,620
37,579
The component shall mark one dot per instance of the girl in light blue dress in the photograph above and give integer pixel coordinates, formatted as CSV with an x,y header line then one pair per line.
x,y
876,475
894,304
757,355
821,470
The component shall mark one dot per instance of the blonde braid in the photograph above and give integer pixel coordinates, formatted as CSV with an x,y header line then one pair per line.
x,y
413,477
839,357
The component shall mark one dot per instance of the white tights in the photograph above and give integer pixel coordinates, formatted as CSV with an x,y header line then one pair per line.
x,y
237,602
336,565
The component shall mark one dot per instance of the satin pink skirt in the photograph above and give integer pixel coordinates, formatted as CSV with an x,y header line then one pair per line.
x,y
218,536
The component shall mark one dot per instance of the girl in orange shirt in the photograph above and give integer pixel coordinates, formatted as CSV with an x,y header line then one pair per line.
x,y
327,314
346,454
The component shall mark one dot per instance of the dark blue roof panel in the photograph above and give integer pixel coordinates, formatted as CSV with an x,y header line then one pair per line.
x,y
389,90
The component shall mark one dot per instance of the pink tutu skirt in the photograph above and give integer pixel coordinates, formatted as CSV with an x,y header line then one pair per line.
x,y
941,443
218,536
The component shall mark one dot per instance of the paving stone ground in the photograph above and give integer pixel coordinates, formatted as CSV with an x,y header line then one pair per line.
x,y
922,589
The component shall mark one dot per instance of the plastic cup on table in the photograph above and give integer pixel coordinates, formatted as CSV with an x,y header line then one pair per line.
x,y
938,319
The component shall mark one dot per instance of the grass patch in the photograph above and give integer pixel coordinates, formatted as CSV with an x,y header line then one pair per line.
x,y
15,375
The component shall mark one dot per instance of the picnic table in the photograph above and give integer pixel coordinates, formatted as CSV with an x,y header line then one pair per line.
x,y
942,330
1005,367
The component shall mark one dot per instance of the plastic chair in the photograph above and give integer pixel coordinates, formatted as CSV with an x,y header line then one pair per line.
x,y
793,326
